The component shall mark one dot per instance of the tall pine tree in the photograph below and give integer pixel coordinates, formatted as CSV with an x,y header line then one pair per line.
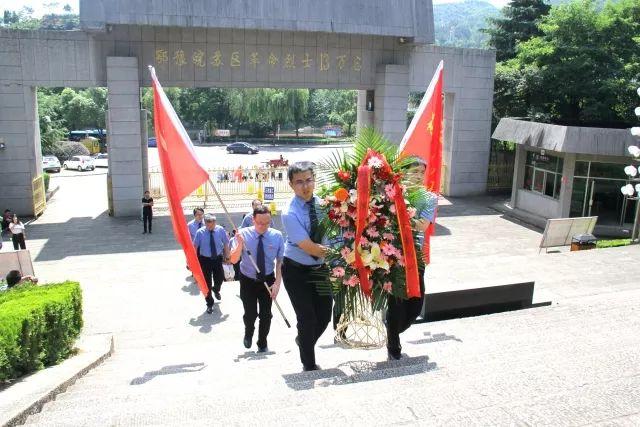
x,y
518,23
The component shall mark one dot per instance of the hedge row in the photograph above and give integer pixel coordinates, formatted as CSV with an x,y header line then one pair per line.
x,y
38,326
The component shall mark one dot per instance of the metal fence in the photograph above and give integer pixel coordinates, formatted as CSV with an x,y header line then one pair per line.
x,y
237,187
500,177
38,195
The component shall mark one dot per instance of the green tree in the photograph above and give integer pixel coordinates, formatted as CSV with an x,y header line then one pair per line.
x,y
518,23
238,108
584,65
344,110
298,102
83,109
21,20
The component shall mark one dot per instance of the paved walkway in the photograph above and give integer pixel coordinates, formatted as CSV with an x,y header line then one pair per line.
x,y
573,362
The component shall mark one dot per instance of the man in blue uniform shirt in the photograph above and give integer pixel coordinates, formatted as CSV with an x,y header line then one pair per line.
x,y
303,263
212,245
402,313
247,220
196,222
266,246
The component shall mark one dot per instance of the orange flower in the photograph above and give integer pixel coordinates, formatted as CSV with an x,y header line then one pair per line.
x,y
341,194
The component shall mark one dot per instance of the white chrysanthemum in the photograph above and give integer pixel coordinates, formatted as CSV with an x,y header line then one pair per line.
x,y
375,163
631,170
634,150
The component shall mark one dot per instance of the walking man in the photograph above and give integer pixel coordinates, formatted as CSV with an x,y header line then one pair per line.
x,y
303,263
196,223
247,220
212,245
401,313
147,211
266,246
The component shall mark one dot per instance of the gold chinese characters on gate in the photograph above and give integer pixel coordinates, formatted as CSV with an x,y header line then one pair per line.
x,y
288,61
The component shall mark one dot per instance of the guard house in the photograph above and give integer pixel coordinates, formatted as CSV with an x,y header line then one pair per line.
x,y
567,171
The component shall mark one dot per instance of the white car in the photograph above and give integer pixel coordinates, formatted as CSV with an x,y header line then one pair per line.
x,y
101,160
50,164
80,163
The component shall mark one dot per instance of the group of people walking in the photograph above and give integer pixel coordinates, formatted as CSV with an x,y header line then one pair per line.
x,y
267,259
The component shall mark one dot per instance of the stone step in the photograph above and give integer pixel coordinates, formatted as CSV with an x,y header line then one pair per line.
x,y
493,379
406,399
240,400
535,342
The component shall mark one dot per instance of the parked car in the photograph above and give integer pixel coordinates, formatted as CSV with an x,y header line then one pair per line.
x,y
152,142
50,164
81,163
242,147
101,160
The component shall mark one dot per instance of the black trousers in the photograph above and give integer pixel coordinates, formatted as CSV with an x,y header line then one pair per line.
x,y
257,304
313,311
18,241
147,217
236,270
213,275
401,314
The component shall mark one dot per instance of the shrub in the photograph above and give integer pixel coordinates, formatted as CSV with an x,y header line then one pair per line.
x,y
64,150
38,326
612,243
46,178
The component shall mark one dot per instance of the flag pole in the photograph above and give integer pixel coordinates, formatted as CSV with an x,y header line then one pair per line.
x,y
244,248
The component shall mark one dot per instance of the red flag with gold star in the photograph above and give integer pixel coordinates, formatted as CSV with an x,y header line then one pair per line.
x,y
424,139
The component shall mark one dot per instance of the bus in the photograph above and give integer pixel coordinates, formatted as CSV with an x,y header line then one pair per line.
x,y
100,134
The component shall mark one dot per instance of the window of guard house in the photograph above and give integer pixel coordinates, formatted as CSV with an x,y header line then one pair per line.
x,y
543,174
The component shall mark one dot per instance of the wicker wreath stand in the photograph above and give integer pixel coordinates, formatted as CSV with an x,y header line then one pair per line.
x,y
360,326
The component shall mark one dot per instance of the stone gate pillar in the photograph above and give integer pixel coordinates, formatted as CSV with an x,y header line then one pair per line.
x,y
364,116
390,101
21,158
124,136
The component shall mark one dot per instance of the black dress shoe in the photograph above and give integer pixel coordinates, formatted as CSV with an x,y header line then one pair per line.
x,y
263,349
217,295
312,368
209,310
247,342
394,355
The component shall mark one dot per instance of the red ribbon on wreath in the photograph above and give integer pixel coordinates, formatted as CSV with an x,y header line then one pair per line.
x,y
362,215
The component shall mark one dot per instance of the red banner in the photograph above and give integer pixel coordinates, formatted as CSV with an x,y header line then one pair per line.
x,y
404,222
362,216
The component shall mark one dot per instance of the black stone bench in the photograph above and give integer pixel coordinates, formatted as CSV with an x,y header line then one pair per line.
x,y
477,301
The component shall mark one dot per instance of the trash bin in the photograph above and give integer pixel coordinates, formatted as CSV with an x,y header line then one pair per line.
x,y
583,242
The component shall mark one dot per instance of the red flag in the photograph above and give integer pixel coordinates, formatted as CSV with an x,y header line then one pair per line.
x,y
181,171
424,139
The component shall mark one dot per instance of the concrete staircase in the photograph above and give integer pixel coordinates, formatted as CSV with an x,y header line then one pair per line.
x,y
575,363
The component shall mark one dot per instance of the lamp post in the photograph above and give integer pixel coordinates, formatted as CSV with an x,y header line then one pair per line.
x,y
633,172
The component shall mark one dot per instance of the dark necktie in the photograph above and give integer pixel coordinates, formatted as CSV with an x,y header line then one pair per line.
x,y
313,219
260,260
212,243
